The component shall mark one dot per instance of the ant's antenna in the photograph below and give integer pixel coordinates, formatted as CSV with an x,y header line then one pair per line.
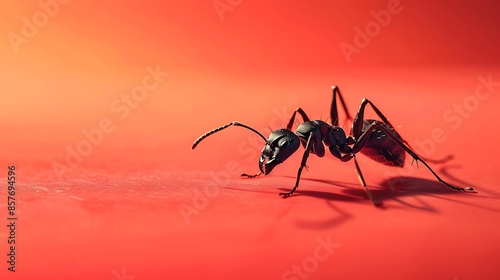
x,y
197,141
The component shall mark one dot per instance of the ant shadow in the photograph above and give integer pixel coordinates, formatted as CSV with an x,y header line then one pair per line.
x,y
390,189
395,189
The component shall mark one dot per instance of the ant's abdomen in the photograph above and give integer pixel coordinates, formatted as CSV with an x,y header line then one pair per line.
x,y
381,148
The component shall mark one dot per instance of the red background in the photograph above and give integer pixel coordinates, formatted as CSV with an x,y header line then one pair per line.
x,y
119,206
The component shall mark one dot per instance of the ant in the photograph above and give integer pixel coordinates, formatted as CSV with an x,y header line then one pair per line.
x,y
374,139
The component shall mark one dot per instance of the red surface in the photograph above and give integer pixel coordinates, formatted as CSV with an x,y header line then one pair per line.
x,y
120,206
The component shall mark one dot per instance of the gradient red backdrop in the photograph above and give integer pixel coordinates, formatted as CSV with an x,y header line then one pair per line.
x,y
68,67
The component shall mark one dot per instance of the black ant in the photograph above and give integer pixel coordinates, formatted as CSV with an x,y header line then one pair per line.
x,y
374,139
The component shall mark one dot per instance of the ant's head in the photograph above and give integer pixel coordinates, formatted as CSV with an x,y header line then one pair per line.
x,y
281,145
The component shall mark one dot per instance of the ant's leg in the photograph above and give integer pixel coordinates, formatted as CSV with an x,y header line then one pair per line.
x,y
333,109
292,119
251,176
352,155
360,175
302,165
363,139
335,152
363,184
357,125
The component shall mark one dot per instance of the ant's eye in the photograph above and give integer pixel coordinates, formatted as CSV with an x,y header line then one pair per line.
x,y
285,143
